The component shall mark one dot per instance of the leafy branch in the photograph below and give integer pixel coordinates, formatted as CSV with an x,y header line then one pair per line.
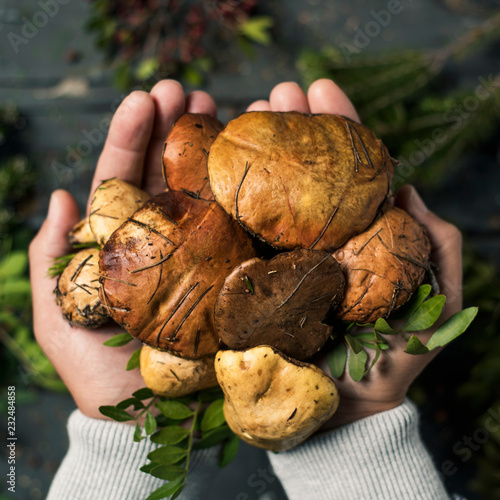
x,y
419,314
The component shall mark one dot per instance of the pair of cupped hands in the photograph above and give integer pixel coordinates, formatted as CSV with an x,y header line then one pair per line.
x,y
95,374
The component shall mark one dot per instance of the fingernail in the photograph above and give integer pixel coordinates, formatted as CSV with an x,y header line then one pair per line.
x,y
52,206
417,202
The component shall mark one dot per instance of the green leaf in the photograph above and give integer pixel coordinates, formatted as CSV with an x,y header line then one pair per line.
x,y
425,315
192,75
375,359
213,416
14,264
168,472
116,413
211,394
229,450
119,340
413,304
357,362
178,491
170,435
381,326
415,346
138,437
337,359
135,360
213,437
174,410
256,28
146,68
149,467
144,393
452,328
167,455
123,405
354,344
149,423
166,490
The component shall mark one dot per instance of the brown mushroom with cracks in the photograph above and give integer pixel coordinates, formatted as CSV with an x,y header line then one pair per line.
x,y
272,401
185,154
384,266
280,302
77,290
112,202
174,377
162,269
300,181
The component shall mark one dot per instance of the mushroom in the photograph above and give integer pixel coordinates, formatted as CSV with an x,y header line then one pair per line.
x,y
81,233
384,266
272,401
300,181
169,375
280,302
185,154
113,201
77,290
162,269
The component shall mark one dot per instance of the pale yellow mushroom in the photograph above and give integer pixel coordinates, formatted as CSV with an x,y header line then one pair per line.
x,y
81,233
272,401
169,375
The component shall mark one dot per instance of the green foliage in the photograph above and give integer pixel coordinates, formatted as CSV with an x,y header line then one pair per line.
x,y
186,419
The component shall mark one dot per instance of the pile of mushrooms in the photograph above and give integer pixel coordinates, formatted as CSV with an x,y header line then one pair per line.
x,y
268,227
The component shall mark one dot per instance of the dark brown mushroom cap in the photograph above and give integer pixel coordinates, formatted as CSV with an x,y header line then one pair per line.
x,y
185,154
280,302
163,268
300,181
383,266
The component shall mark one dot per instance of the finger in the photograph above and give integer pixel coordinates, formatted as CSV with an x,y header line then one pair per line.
x,y
446,244
288,96
325,96
50,242
201,102
169,103
127,142
259,106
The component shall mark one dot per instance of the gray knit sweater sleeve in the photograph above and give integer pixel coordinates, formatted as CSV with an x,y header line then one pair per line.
x,y
103,463
379,457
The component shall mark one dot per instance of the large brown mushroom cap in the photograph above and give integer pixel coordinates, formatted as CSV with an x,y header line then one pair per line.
x,y
169,375
272,401
280,302
112,202
163,268
383,266
185,154
77,291
300,181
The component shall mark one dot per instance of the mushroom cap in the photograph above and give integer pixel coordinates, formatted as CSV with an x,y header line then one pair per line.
x,y
81,233
112,202
169,375
300,181
280,302
77,290
163,268
383,266
272,401
185,153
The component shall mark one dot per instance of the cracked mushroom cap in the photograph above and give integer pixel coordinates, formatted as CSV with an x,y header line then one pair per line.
x,y
383,266
169,375
162,269
272,401
113,201
77,290
280,302
300,181
185,154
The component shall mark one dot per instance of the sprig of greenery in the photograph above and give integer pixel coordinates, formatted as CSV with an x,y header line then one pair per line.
x,y
175,427
59,263
418,314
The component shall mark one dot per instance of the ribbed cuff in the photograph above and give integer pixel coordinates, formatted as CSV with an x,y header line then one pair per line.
x,y
378,457
103,463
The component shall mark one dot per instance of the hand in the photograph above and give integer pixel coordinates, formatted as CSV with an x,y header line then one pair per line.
x,y
386,385
95,374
